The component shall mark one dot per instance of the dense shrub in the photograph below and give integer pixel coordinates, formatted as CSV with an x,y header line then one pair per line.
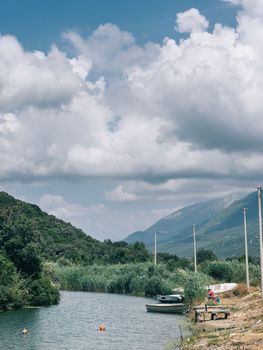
x,y
155,285
231,271
42,292
12,291
219,270
194,289
136,279
203,255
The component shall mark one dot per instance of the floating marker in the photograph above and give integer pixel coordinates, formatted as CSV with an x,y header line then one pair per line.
x,y
102,327
25,331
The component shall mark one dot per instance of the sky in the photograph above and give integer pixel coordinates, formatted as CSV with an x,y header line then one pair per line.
x,y
116,113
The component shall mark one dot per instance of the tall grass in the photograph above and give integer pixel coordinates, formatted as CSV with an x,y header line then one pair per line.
x,y
135,279
147,280
231,271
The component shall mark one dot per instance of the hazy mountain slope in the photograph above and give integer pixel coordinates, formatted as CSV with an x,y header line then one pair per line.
x,y
181,220
223,232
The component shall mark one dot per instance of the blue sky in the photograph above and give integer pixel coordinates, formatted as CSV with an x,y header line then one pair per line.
x,y
115,113
38,24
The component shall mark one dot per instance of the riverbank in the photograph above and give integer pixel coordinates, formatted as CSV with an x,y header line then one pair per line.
x,y
242,330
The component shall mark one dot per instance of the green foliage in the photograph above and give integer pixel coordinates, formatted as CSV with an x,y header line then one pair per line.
x,y
219,270
21,278
19,243
203,255
231,271
194,290
12,291
28,235
183,263
42,292
166,258
155,285
16,291
136,279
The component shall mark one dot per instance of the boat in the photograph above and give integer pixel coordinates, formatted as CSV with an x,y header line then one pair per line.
x,y
222,287
173,308
170,299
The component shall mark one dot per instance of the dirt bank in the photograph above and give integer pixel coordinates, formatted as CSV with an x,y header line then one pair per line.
x,y
242,330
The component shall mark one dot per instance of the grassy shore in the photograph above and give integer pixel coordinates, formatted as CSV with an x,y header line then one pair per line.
x,y
243,329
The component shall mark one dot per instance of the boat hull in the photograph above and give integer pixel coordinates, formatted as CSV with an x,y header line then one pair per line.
x,y
170,299
167,308
222,287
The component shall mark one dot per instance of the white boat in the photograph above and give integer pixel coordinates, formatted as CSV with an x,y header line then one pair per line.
x,y
171,298
222,287
174,308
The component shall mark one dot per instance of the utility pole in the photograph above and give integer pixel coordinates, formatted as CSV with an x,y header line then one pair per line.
x,y
260,238
194,248
246,249
155,248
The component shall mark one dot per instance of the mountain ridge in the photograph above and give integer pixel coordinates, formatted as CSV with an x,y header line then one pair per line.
x,y
219,228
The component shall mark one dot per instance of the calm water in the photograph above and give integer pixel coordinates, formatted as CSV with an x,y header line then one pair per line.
x,y
74,324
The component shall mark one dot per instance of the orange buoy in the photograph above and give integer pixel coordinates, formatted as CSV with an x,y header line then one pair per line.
x,y
102,327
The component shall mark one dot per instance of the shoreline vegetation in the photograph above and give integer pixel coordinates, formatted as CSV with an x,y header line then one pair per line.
x,y
146,279
139,279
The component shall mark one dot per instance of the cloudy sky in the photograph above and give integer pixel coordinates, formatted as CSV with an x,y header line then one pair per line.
x,y
115,113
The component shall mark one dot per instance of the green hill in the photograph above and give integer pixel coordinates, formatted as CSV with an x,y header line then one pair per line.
x,y
220,228
56,239
29,237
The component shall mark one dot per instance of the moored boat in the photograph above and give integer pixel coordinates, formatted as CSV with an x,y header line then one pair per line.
x,y
222,287
171,298
174,308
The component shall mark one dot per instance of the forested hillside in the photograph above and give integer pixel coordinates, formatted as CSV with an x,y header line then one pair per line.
x,y
55,239
29,237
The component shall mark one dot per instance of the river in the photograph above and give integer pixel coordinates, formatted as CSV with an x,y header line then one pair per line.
x,y
74,325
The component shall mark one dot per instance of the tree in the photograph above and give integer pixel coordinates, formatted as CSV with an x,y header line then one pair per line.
x,y
203,255
12,291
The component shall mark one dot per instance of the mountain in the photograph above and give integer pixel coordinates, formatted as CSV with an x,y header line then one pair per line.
x,y
224,233
219,228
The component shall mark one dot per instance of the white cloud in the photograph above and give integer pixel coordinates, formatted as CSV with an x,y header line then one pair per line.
x,y
177,192
112,50
191,21
33,78
58,206
253,8
178,110
118,194
99,220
